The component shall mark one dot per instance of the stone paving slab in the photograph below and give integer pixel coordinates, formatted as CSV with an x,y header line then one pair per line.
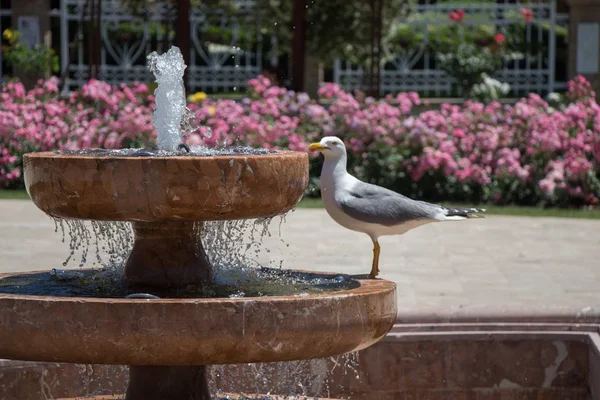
x,y
497,261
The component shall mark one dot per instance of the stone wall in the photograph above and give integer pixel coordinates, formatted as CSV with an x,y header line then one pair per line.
x,y
440,366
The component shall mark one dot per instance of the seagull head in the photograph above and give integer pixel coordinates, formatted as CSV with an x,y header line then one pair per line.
x,y
332,147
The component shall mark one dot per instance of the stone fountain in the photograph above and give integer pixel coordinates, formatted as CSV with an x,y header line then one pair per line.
x,y
166,341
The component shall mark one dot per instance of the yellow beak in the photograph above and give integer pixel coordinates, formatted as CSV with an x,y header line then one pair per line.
x,y
317,147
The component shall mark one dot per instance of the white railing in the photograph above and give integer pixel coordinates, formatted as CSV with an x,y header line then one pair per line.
x,y
127,39
221,66
415,69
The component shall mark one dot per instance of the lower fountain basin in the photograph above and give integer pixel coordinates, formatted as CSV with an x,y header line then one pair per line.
x,y
195,331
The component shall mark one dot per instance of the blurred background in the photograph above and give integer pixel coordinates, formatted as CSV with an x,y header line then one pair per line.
x,y
469,101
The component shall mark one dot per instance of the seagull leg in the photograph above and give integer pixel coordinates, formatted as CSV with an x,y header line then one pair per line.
x,y
375,267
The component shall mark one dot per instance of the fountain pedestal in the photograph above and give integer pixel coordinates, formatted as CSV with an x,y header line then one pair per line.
x,y
167,254
162,382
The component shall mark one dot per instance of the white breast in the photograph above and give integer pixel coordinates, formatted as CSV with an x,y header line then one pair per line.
x,y
329,188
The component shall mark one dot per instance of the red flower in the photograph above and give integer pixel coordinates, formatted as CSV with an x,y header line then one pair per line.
x,y
499,39
527,14
457,16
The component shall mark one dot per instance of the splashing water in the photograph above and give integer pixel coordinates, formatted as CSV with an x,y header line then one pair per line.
x,y
168,69
233,248
172,118
318,377
326,377
111,241
229,244
195,151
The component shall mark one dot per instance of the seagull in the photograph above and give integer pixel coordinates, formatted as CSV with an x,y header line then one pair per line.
x,y
372,209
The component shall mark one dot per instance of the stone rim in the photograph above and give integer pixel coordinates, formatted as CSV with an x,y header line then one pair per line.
x,y
165,188
164,332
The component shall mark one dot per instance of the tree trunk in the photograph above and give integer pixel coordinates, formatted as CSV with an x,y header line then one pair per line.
x,y
313,75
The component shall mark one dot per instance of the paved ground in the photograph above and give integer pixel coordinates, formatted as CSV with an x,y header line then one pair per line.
x,y
497,261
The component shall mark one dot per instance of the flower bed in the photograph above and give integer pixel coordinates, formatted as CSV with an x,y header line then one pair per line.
x,y
526,153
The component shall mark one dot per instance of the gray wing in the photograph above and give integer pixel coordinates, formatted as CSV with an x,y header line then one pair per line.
x,y
373,204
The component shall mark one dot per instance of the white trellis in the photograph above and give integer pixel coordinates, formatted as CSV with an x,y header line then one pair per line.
x,y
415,69
213,66
227,67
223,66
122,55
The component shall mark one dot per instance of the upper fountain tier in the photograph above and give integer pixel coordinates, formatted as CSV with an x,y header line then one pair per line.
x,y
162,189
116,186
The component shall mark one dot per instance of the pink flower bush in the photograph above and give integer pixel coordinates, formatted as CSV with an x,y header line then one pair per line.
x,y
526,153
272,117
99,115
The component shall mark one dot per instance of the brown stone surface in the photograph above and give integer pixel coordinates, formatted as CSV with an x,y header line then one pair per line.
x,y
21,380
195,331
438,365
399,368
167,254
481,363
160,382
155,189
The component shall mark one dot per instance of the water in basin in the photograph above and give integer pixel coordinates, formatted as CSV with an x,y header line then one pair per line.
x,y
232,246
247,282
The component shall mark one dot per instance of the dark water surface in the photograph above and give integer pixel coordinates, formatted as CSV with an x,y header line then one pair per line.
x,y
100,283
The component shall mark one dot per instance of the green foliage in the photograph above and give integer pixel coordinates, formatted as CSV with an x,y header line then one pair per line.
x,y
335,28
469,53
469,63
129,30
39,59
138,7
432,30
467,49
215,34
